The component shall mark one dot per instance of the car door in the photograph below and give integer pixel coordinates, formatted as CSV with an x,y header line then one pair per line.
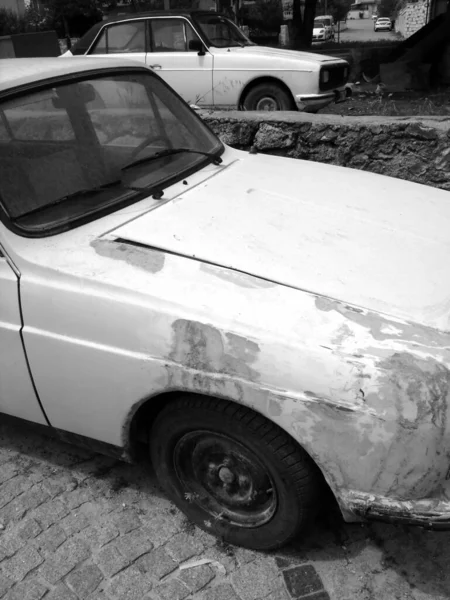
x,y
127,39
17,395
187,72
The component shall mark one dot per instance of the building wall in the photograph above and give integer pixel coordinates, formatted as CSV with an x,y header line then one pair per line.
x,y
17,6
411,17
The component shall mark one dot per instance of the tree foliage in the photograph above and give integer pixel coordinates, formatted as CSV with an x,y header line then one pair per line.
x,y
72,17
387,8
266,15
339,9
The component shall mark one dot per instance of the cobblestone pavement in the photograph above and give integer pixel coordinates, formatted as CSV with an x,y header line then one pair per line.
x,y
78,526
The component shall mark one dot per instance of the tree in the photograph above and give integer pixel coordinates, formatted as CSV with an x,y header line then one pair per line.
x,y
301,27
72,17
266,15
387,8
339,9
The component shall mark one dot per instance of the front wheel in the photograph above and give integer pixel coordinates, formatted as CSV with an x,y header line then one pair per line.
x,y
268,97
234,473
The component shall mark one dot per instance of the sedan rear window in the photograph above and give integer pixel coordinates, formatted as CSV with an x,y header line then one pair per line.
x,y
63,150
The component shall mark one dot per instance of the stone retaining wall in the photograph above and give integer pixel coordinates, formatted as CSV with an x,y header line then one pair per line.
x,y
411,17
416,149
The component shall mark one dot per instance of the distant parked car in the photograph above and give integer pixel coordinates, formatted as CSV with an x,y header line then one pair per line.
x,y
328,23
209,61
383,24
320,34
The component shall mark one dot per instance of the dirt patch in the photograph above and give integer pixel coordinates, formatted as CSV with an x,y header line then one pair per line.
x,y
370,101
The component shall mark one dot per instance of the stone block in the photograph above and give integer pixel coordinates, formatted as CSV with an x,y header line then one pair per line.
x,y
157,563
302,580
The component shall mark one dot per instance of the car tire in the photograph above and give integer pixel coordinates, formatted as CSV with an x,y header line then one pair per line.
x,y
234,473
267,96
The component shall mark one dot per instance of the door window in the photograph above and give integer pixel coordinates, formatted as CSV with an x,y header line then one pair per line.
x,y
171,35
122,38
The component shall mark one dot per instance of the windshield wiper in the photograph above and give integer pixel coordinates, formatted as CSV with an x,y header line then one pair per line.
x,y
79,194
216,160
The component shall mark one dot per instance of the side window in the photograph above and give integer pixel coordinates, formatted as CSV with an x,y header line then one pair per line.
x,y
122,38
39,118
171,35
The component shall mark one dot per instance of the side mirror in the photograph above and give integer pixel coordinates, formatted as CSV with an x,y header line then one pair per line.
x,y
197,46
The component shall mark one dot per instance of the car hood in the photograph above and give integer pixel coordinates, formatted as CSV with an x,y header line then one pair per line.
x,y
307,57
372,241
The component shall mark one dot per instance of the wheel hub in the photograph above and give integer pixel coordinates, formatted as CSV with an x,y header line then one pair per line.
x,y
226,475
267,103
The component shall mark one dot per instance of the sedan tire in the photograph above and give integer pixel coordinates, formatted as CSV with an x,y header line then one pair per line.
x,y
268,97
234,473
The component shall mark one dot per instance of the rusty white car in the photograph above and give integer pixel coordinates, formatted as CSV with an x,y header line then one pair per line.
x,y
209,61
264,341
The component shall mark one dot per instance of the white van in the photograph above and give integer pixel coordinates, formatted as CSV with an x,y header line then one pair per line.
x,y
328,22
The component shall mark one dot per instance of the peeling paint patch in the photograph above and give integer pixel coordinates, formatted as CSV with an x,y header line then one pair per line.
x,y
421,389
383,328
202,347
147,259
274,408
342,334
325,304
235,277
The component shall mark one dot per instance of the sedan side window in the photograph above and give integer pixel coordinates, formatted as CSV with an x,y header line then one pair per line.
x,y
171,35
121,39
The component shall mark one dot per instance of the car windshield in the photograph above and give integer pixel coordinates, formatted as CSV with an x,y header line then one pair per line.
x,y
221,32
63,149
318,24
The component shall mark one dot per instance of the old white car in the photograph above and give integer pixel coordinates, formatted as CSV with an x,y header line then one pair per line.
x,y
208,60
264,340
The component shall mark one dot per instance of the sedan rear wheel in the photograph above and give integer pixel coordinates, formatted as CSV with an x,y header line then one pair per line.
x,y
233,472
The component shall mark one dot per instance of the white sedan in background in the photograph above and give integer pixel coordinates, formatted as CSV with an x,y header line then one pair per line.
x,y
383,24
209,61
264,341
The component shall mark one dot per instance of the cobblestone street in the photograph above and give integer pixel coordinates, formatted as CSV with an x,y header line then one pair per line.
x,y
78,526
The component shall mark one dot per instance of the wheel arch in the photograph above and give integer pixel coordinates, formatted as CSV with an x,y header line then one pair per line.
x,y
266,79
139,424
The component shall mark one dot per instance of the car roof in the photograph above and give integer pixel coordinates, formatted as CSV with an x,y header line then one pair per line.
x,y
15,72
84,43
159,13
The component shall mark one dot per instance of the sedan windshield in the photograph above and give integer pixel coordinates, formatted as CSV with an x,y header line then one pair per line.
x,y
221,32
64,149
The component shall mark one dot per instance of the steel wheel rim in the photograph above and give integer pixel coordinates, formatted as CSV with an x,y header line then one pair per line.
x,y
225,479
267,103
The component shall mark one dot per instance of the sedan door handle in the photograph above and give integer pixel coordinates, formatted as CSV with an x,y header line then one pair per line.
x,y
155,66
